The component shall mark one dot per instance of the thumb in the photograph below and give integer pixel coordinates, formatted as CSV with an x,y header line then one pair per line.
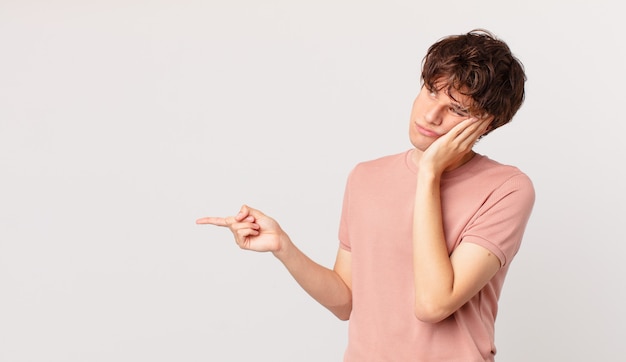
x,y
246,212
251,212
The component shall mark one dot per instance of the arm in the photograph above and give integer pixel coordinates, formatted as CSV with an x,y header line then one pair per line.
x,y
331,288
255,231
444,283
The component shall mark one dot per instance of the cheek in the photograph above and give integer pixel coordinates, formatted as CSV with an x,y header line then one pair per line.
x,y
451,122
414,109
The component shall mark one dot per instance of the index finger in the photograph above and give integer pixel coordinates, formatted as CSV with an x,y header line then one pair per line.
x,y
218,221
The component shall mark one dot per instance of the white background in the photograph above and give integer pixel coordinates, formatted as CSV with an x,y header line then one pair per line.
x,y
121,122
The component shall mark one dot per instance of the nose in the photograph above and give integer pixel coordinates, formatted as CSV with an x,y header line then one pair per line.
x,y
434,115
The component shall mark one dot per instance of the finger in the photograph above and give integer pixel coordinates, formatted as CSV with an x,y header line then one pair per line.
x,y
230,220
476,128
249,213
218,221
473,134
243,213
257,214
484,125
462,126
244,225
243,238
463,130
245,232
484,122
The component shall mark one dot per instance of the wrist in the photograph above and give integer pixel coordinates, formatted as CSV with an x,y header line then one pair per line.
x,y
285,247
428,175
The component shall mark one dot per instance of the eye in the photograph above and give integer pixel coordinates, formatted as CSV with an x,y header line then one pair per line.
x,y
459,112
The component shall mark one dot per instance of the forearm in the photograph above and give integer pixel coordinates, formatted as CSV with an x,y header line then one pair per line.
x,y
323,284
433,272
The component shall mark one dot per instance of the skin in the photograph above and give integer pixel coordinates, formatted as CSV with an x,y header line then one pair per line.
x,y
443,283
256,231
443,135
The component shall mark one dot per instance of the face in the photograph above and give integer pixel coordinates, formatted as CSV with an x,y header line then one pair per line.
x,y
435,113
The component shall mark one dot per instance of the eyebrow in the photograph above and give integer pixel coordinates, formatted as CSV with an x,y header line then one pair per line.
x,y
458,104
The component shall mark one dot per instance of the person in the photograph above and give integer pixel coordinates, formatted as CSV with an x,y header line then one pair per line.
x,y
426,236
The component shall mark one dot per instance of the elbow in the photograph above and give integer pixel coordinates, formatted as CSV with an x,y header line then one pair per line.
x,y
343,317
342,312
431,312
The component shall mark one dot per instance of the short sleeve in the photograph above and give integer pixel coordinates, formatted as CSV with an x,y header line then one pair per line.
x,y
500,223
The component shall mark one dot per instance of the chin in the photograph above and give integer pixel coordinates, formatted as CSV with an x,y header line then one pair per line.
x,y
421,145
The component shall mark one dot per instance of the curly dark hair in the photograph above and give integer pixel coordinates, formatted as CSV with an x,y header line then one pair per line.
x,y
480,66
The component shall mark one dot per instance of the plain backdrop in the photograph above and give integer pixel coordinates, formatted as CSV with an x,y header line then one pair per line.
x,y
121,122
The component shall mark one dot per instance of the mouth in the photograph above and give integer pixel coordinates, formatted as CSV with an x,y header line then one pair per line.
x,y
426,132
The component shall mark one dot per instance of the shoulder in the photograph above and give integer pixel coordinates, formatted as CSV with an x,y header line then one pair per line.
x,y
381,173
491,171
398,160
502,180
489,180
